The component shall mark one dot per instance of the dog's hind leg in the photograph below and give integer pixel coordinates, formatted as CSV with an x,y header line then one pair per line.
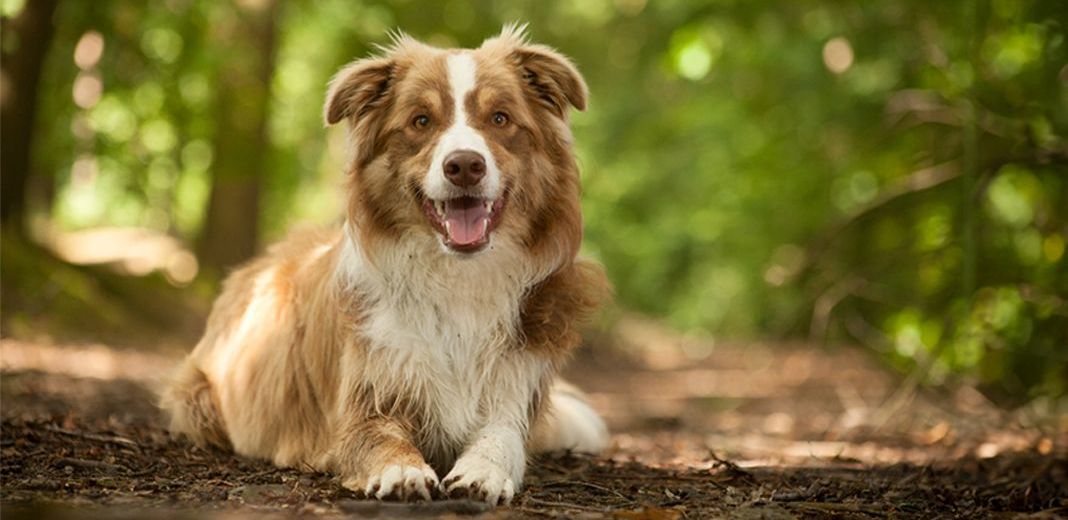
x,y
569,423
190,401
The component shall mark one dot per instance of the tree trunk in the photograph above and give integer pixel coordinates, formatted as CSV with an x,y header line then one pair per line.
x,y
32,30
246,38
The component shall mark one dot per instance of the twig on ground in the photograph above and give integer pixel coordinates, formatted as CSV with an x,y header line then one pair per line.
x,y
534,511
110,439
91,464
568,505
585,484
839,507
732,469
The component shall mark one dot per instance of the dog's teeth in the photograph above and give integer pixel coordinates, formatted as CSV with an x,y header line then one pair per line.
x,y
448,228
489,205
440,206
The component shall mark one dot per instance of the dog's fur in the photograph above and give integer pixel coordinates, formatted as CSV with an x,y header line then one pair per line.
x,y
379,351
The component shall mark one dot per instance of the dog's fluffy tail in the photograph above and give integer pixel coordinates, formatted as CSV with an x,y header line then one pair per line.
x,y
569,423
190,402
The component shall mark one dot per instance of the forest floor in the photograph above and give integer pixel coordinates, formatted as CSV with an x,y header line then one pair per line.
x,y
701,430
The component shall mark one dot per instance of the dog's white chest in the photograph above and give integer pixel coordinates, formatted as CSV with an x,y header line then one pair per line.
x,y
438,363
439,333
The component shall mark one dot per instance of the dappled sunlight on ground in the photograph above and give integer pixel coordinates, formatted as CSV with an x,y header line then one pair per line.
x,y
760,403
94,361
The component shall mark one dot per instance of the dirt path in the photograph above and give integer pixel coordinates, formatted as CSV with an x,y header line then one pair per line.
x,y
702,430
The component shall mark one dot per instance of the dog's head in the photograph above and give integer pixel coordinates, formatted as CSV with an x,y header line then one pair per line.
x,y
469,148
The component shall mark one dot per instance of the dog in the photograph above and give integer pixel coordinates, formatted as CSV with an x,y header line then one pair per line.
x,y
423,337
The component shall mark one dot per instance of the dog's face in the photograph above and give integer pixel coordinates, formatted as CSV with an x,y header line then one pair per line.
x,y
466,146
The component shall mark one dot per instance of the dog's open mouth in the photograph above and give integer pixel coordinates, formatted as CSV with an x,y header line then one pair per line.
x,y
465,223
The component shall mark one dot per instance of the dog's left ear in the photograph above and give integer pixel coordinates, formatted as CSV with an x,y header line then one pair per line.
x,y
358,89
551,77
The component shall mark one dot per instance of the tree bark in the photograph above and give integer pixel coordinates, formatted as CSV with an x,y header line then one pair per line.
x,y
246,37
21,65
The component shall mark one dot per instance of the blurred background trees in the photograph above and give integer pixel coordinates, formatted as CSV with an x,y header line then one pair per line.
x,y
890,174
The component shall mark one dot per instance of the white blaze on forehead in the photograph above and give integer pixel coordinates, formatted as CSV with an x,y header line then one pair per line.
x,y
460,135
461,79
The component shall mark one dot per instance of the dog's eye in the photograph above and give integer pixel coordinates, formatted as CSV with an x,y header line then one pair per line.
x,y
421,121
500,118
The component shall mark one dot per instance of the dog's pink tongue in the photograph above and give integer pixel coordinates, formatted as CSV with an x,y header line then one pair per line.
x,y
466,220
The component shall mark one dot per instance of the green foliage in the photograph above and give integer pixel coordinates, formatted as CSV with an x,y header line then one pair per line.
x,y
749,167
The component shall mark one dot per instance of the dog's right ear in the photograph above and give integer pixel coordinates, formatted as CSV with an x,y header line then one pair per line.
x,y
357,89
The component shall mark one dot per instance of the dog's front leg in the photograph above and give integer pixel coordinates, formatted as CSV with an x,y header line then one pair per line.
x,y
491,467
376,458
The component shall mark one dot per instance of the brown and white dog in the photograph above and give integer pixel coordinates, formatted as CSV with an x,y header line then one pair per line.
x,y
423,338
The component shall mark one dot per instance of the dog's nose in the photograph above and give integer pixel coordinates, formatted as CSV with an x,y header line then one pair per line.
x,y
464,168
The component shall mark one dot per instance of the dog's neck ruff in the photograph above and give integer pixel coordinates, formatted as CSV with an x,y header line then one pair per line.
x,y
437,294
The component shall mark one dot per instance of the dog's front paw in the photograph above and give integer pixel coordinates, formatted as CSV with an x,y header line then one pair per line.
x,y
479,479
396,482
